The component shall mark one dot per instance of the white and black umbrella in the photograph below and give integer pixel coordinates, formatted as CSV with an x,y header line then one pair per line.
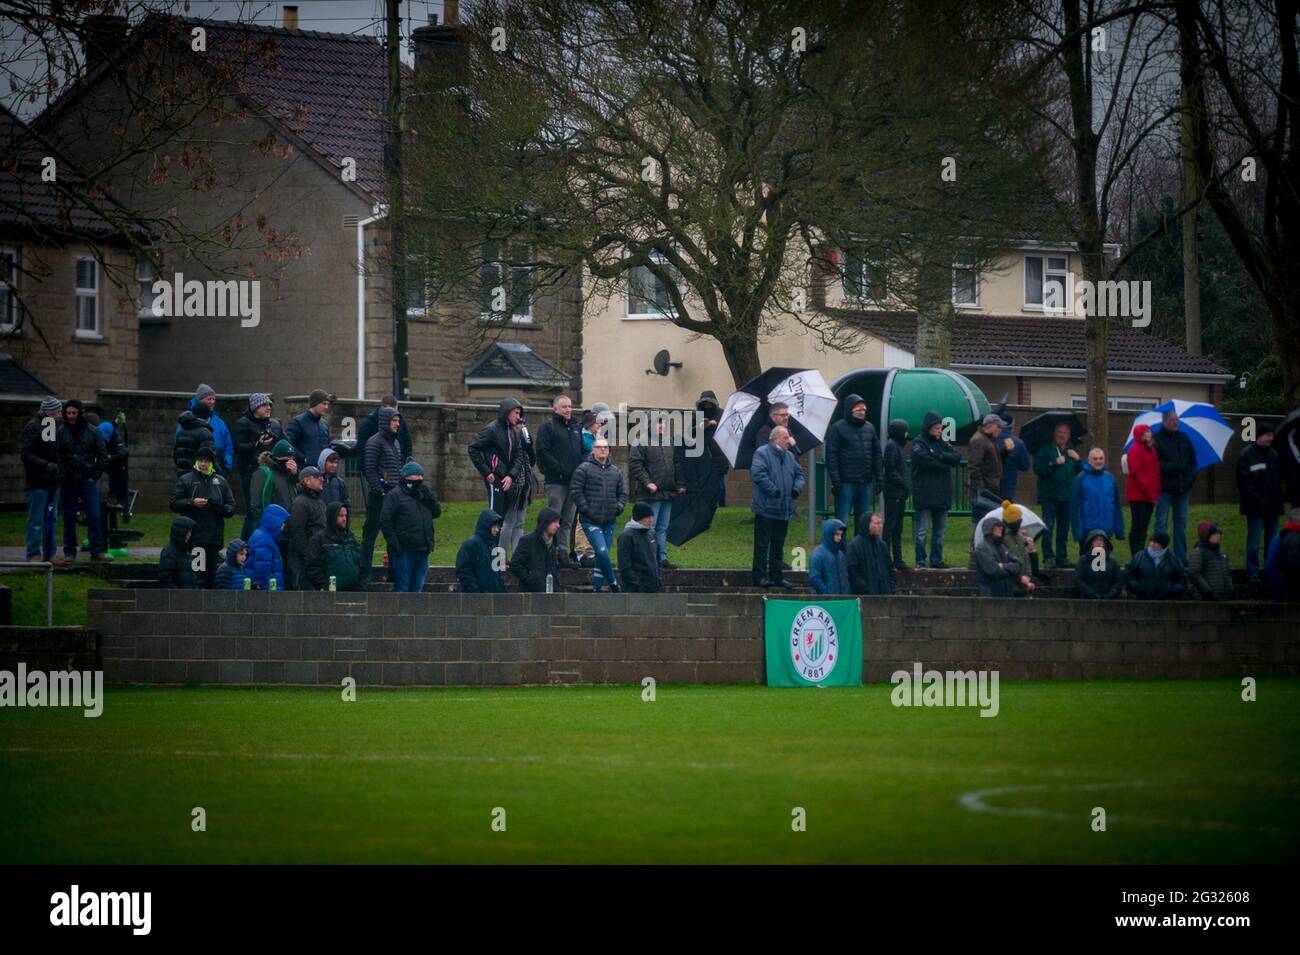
x,y
805,391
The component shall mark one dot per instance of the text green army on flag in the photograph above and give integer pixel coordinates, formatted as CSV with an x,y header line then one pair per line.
x,y
813,642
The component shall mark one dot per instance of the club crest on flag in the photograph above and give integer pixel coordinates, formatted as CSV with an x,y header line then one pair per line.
x,y
814,643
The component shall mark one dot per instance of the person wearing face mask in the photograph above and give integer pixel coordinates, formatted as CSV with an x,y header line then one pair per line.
x,y
205,497
407,523
1207,568
1156,573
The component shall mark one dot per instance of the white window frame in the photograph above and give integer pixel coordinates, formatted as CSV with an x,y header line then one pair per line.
x,y
659,259
11,294
144,283
1134,403
516,318
1048,272
87,293
959,266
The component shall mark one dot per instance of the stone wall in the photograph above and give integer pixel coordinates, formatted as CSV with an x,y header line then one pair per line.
x,y
48,648
384,639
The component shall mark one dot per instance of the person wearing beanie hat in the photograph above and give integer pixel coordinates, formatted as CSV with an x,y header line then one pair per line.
x,y
206,398
205,497
933,460
534,558
334,487
1095,501
1142,486
193,430
1259,490
407,520
1282,564
1156,572
39,450
896,488
1207,567
309,432
853,462
1011,513
82,460
638,564
255,431
231,574
274,482
306,519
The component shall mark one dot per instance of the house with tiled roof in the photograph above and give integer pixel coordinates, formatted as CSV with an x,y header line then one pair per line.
x,y
281,161
1007,337
67,315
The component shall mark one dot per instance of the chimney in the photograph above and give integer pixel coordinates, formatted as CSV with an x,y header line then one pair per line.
x,y
102,36
290,18
440,58
451,13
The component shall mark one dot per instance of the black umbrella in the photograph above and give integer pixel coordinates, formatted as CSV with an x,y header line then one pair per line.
x,y
1286,440
1038,431
693,511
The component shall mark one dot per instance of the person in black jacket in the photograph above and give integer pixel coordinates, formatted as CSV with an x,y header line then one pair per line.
x,y
933,460
1177,475
175,569
1097,575
870,571
534,559
476,561
638,563
897,489
192,433
83,457
559,451
853,461
1156,573
309,432
1259,488
710,414
255,431
205,497
381,466
997,569
39,450
500,457
655,468
371,426
407,522
306,520
600,495
334,553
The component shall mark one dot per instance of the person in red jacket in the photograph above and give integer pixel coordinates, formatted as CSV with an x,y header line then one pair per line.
x,y
1143,486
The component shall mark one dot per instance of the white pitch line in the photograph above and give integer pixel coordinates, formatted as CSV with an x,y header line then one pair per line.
x,y
975,802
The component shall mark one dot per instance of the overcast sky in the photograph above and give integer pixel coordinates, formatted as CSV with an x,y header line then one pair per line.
x,y
325,16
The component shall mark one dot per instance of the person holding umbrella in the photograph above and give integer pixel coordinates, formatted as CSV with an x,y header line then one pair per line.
x,y
778,481
1177,459
1056,464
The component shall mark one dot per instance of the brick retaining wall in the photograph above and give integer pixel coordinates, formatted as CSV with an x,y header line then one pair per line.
x,y
168,637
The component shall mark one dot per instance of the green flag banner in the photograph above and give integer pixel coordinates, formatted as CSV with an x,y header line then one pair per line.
x,y
813,642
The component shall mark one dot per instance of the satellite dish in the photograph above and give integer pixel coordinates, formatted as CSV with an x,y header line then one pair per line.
x,y
662,362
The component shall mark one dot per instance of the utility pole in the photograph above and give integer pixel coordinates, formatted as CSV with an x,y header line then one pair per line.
x,y
396,222
1191,194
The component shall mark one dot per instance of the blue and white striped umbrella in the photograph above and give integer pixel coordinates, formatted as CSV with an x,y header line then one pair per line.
x,y
1208,432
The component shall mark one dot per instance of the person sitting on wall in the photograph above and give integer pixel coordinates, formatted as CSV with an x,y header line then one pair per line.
x,y
1098,575
475,561
1156,573
231,574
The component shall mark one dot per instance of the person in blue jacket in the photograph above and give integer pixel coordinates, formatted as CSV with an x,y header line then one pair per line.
x,y
231,574
474,570
1095,503
264,561
1014,460
222,441
828,572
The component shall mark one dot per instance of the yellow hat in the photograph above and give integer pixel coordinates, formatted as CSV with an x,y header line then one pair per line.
x,y
1011,512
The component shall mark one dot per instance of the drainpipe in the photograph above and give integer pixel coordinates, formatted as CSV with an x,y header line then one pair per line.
x,y
379,213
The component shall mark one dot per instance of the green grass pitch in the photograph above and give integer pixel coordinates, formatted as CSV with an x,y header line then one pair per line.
x,y
1185,771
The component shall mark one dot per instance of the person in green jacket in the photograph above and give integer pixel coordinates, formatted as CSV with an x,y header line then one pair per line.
x,y
1056,464
334,552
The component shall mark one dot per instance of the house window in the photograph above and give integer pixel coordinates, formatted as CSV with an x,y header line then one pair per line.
x,y
1046,281
864,279
146,275
648,296
965,282
8,288
417,291
87,297
505,285
1116,403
